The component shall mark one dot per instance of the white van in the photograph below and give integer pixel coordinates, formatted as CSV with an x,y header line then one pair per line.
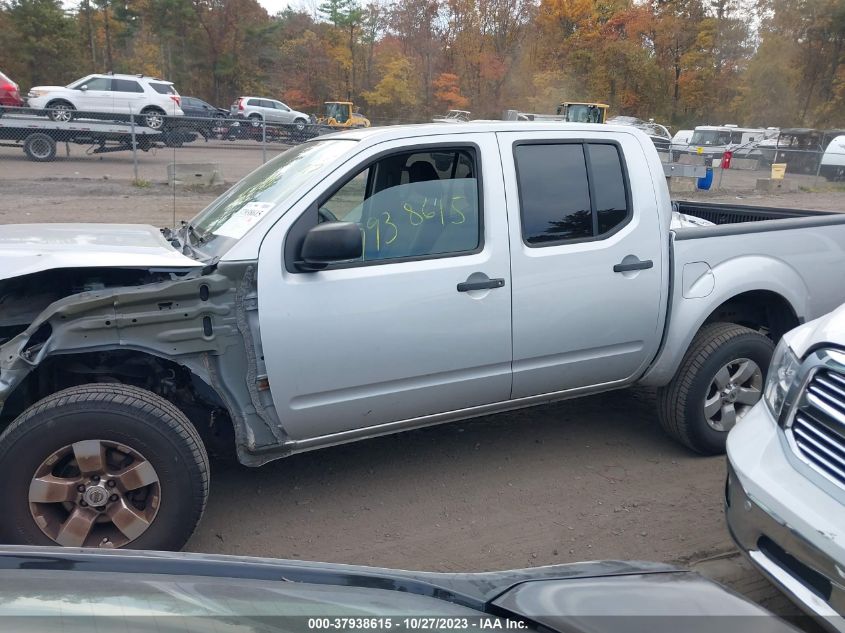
x,y
715,140
833,160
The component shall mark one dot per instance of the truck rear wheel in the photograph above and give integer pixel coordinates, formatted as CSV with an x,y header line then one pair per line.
x,y
102,465
720,378
40,147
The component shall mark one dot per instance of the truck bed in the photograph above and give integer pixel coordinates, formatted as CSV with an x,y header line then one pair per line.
x,y
793,254
734,213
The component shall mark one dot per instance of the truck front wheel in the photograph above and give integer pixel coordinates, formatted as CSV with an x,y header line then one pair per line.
x,y
102,465
720,378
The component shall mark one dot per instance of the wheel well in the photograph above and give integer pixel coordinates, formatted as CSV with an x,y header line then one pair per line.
x,y
53,102
761,310
153,109
174,382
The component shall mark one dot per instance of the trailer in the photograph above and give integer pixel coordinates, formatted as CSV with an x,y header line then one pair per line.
x,y
39,138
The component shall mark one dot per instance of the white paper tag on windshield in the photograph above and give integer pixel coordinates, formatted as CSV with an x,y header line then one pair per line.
x,y
244,219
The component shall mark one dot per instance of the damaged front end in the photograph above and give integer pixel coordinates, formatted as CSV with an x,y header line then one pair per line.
x,y
192,337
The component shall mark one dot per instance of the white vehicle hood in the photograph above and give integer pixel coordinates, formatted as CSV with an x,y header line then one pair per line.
x,y
31,248
48,88
829,328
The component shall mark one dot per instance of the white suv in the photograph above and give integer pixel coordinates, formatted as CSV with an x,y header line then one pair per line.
x,y
785,496
258,109
121,95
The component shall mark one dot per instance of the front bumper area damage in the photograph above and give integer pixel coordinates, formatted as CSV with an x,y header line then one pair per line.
x,y
205,321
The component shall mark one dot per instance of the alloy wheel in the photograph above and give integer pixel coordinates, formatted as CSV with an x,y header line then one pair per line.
x,y
735,388
94,493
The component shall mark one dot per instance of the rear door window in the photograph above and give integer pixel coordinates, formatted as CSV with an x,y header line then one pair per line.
x,y
126,85
570,192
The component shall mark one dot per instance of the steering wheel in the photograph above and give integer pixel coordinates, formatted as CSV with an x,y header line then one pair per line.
x,y
326,215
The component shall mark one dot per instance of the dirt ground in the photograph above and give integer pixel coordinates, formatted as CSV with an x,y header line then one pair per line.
x,y
580,480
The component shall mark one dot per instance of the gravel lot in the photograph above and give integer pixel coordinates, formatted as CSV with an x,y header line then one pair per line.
x,y
579,480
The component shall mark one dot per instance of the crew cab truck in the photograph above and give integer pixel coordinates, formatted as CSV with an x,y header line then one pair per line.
x,y
370,282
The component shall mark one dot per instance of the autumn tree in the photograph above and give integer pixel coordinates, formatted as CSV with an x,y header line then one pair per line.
x,y
347,16
447,92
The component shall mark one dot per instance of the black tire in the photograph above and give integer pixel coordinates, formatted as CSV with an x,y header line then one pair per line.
x,y
111,413
681,402
40,147
60,111
255,120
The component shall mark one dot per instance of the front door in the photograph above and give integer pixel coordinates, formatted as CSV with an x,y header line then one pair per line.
x,y
97,96
283,114
587,259
420,325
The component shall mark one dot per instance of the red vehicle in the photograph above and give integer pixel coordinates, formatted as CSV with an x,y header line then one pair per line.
x,y
10,94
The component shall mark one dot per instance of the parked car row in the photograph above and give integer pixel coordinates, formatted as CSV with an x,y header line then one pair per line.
x,y
151,100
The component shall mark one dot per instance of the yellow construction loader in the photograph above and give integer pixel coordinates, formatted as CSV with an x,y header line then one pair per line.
x,y
580,112
342,114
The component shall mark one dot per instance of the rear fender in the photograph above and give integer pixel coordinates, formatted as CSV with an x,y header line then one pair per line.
x,y
731,278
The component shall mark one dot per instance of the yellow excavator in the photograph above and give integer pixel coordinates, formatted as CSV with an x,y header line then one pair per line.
x,y
342,114
582,112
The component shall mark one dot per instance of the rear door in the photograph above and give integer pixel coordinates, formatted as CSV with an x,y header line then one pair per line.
x,y
268,111
128,96
421,324
586,259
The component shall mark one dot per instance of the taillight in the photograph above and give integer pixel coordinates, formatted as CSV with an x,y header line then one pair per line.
x,y
241,104
177,99
8,88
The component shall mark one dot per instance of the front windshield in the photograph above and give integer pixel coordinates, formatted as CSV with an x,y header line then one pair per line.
x,y
710,137
240,208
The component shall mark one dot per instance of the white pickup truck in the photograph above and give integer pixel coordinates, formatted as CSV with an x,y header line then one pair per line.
x,y
785,493
371,282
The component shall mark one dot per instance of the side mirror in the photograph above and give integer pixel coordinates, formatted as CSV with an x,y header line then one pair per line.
x,y
83,88
330,243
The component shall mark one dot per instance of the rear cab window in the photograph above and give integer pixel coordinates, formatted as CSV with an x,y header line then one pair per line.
x,y
571,191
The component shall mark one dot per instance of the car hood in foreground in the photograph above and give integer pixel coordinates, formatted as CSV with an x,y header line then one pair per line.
x,y
260,594
31,248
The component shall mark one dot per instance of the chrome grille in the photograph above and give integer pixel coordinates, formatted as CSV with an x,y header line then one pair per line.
x,y
818,428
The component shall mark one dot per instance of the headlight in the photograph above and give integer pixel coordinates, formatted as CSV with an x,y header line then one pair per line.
x,y
782,373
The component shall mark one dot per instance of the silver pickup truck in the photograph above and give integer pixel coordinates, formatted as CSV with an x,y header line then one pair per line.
x,y
371,282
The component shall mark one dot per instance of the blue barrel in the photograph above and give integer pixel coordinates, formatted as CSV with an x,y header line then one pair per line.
x,y
707,180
